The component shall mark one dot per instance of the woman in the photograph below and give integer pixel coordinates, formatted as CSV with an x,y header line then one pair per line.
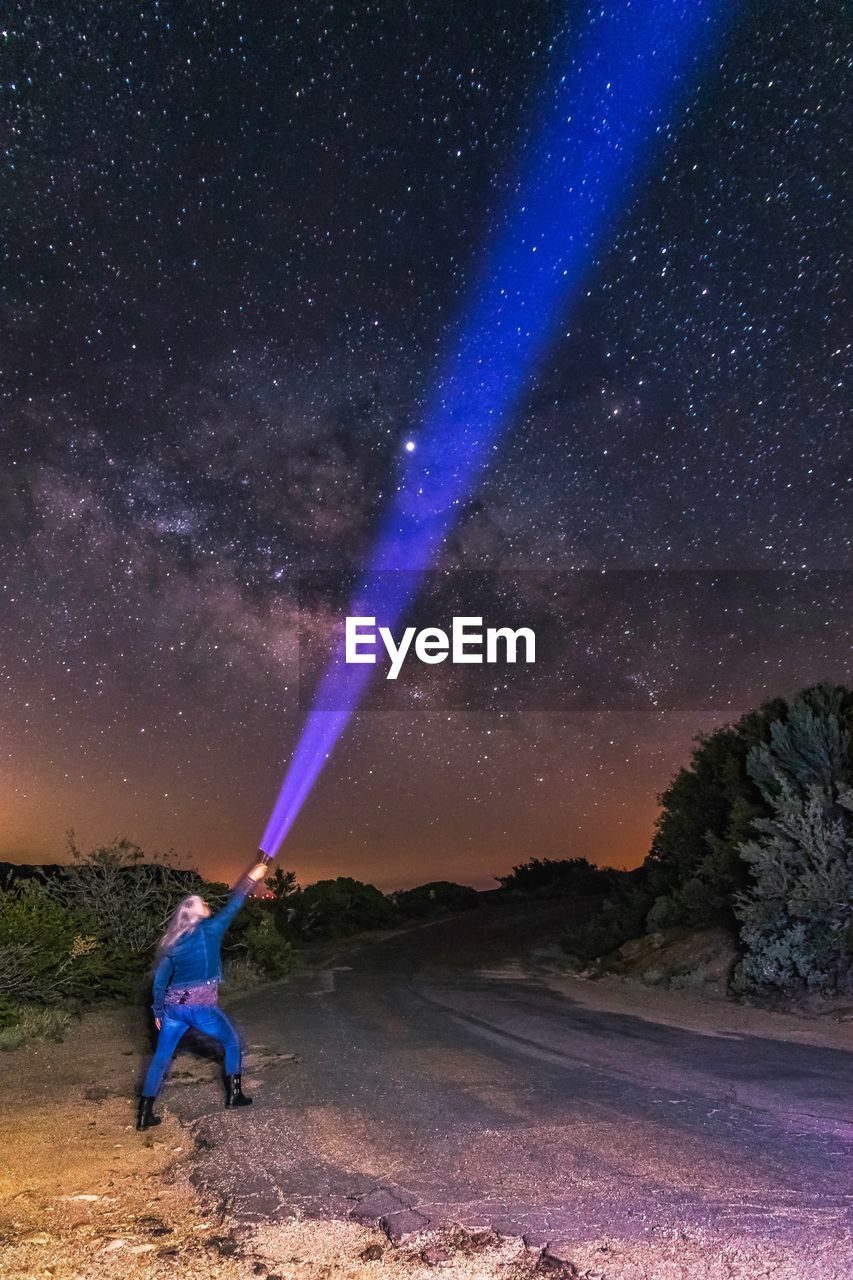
x,y
186,982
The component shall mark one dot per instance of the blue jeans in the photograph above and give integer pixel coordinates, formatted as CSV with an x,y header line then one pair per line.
x,y
178,1018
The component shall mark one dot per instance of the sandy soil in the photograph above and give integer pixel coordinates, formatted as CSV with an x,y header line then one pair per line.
x,y
705,1015
83,1195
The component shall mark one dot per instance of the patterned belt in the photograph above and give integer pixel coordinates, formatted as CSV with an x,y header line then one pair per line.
x,y
203,993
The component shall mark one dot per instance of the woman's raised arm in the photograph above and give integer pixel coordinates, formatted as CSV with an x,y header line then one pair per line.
x,y
238,896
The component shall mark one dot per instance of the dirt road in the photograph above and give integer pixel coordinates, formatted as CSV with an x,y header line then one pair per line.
x,y
436,1085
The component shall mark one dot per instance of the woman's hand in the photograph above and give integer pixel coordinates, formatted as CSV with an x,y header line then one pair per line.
x,y
158,1022
259,871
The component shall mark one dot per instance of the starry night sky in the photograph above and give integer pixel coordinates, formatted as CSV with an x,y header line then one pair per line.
x,y
236,235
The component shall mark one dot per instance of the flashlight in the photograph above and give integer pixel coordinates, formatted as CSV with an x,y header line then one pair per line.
x,y
258,867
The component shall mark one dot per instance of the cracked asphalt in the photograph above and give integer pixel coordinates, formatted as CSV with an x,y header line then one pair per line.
x,y
433,1087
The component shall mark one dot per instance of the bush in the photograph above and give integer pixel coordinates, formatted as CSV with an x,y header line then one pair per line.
x,y
264,947
283,902
621,916
239,973
434,899
30,1022
337,908
126,902
88,931
796,916
704,863
47,950
694,863
557,878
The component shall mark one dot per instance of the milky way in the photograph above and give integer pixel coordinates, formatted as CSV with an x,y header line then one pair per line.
x,y
236,235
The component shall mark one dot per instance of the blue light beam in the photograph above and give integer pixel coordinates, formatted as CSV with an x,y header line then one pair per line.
x,y
602,117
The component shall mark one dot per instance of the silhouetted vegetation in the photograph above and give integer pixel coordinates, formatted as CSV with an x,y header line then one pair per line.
x,y
336,908
86,930
621,916
434,899
796,911
557,878
755,835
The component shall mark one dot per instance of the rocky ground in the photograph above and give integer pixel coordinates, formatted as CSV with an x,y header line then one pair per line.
x,y
82,1195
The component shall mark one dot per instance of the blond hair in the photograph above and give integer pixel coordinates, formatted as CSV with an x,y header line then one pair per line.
x,y
187,914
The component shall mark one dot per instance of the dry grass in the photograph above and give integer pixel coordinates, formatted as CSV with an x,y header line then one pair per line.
x,y
36,1024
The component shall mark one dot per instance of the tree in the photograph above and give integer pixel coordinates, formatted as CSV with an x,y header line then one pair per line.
x,y
435,898
335,908
285,895
47,952
127,900
557,878
282,885
796,915
697,873
694,866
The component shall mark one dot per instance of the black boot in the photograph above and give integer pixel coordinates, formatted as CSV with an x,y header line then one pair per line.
x,y
234,1095
145,1117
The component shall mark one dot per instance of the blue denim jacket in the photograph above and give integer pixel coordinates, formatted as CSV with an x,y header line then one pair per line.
x,y
195,957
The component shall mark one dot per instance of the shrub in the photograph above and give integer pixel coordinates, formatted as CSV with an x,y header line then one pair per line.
x,y
285,896
796,916
336,908
557,878
126,899
239,973
435,898
265,948
621,916
47,951
281,885
694,861
697,871
87,931
32,1022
